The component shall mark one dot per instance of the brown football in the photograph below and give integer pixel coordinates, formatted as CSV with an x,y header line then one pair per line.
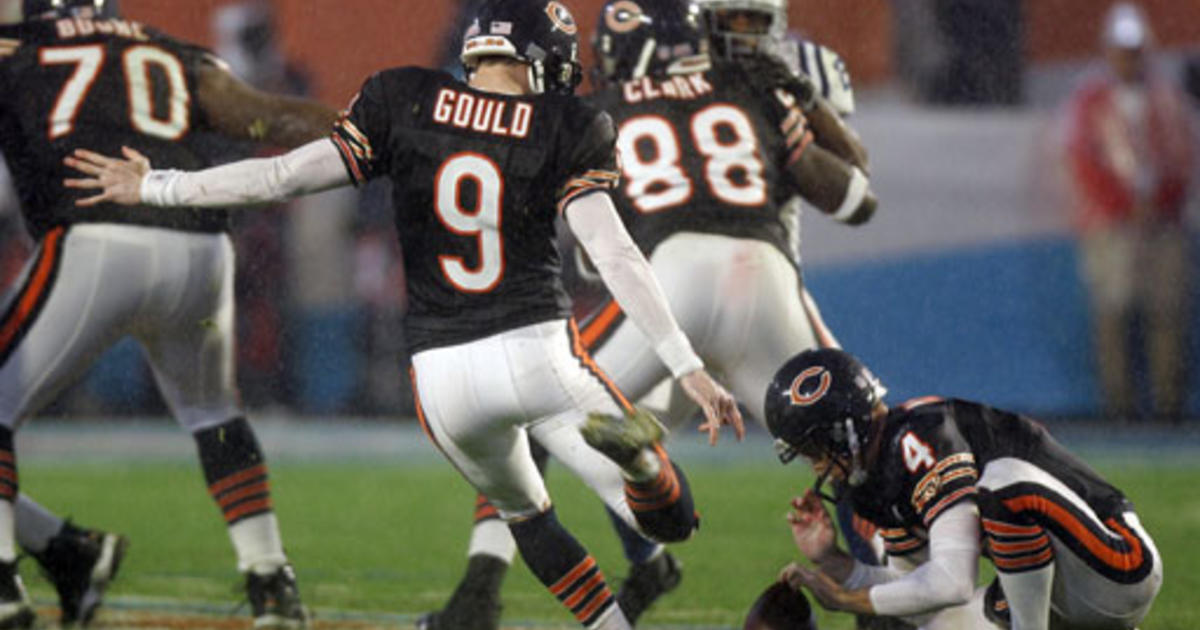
x,y
779,607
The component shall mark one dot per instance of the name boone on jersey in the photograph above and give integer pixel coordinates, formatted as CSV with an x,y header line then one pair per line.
x,y
83,27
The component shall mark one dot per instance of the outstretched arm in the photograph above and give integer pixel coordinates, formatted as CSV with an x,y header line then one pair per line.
x,y
311,168
624,269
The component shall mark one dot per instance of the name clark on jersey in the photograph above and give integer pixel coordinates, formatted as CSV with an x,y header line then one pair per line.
x,y
678,88
479,113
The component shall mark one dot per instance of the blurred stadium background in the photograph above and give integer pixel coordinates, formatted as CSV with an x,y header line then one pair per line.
x,y
965,284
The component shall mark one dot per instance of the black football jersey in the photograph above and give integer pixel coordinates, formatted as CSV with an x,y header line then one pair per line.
x,y
480,179
935,450
97,84
704,152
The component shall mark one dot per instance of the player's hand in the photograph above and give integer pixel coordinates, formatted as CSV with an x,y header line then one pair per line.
x,y
812,527
718,404
772,73
827,591
120,181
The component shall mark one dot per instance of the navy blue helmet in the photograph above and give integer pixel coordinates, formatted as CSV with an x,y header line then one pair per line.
x,y
820,404
538,32
638,38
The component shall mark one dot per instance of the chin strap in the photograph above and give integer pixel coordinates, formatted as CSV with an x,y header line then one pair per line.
x,y
857,475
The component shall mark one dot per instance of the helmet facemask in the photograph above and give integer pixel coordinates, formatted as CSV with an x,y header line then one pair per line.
x,y
766,36
842,449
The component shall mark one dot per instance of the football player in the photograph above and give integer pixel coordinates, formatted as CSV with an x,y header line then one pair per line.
x,y
482,170
709,154
940,476
751,32
72,74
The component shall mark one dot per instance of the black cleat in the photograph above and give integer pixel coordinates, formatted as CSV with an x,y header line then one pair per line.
x,y
15,608
646,583
81,563
475,604
275,600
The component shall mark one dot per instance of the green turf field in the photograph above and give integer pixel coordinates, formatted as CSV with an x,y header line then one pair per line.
x,y
386,537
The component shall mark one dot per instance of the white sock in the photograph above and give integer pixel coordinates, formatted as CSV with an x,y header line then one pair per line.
x,y
491,537
1028,594
613,619
8,545
258,544
35,525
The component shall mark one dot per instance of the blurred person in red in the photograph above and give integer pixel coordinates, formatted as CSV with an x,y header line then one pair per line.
x,y
1129,152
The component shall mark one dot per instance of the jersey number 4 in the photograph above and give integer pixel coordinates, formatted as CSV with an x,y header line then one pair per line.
x,y
136,62
917,454
722,133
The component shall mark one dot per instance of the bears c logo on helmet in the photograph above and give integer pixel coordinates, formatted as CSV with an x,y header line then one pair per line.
x,y
624,16
562,18
802,394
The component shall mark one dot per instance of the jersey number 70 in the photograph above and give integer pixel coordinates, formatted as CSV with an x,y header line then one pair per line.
x,y
136,62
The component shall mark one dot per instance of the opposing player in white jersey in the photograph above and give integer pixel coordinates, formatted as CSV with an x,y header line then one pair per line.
x,y
73,74
482,170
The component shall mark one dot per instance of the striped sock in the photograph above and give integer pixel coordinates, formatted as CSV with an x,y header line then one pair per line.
x,y
238,481
9,487
566,568
663,505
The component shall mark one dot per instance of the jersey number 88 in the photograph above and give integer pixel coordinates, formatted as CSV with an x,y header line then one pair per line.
x,y
657,182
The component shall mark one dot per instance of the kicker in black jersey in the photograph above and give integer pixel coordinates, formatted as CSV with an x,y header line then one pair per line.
x,y
98,84
480,179
704,152
935,450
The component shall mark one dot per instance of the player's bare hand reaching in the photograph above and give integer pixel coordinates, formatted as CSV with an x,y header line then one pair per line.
x,y
119,180
719,406
812,527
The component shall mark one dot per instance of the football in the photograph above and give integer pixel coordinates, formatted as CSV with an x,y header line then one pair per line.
x,y
780,607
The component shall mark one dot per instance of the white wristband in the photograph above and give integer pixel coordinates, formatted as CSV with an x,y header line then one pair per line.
x,y
158,187
855,191
677,353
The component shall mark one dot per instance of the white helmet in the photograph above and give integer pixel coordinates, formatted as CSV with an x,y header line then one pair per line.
x,y
728,42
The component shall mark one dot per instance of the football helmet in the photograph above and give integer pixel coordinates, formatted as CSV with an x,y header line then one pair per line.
x,y
637,38
540,33
764,33
820,404
12,11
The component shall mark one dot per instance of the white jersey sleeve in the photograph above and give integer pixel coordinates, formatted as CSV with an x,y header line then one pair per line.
x,y
946,579
827,70
594,221
310,168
